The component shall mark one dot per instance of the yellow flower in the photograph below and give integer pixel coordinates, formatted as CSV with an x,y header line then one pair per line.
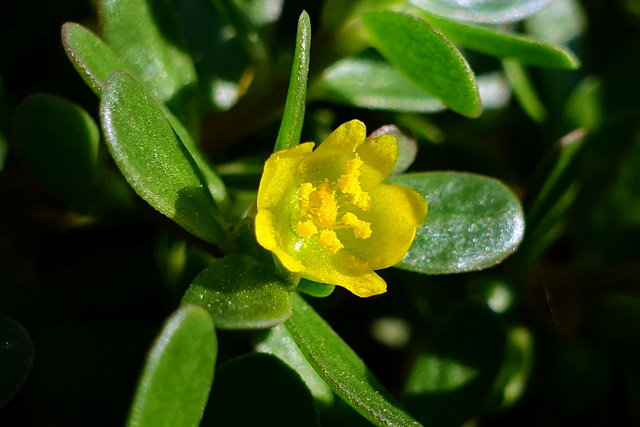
x,y
328,217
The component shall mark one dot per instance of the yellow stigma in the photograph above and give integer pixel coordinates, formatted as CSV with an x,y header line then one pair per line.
x,y
307,228
327,207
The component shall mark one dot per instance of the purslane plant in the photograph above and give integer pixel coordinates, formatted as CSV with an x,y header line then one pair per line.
x,y
332,215
328,217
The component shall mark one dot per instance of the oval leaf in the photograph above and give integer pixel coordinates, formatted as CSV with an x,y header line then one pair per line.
x,y
504,45
473,222
241,293
91,57
259,390
178,372
424,56
59,142
155,162
16,357
368,82
482,10
95,61
144,35
342,369
449,382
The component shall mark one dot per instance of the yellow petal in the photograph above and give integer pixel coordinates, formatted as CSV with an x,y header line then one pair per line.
x,y
280,175
380,155
342,269
270,236
396,212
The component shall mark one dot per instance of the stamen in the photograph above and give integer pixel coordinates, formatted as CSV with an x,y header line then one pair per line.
x,y
320,208
361,229
328,239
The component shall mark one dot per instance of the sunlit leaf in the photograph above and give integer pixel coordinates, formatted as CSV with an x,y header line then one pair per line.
x,y
473,222
155,162
424,56
241,293
482,10
293,116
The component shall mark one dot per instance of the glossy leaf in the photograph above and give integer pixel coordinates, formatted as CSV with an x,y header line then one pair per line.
x,y
451,379
178,372
424,56
342,369
293,116
59,142
482,10
155,162
90,55
473,222
16,357
504,45
241,293
144,34
95,61
368,82
259,390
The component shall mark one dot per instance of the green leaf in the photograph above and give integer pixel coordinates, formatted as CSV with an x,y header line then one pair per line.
x,y
424,56
368,82
16,357
482,10
279,342
95,61
341,368
259,390
293,116
473,222
59,142
241,293
155,162
90,56
524,91
504,45
450,380
145,35
178,372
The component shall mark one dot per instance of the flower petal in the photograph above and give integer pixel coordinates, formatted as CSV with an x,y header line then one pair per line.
x,y
380,155
342,269
280,177
269,235
396,212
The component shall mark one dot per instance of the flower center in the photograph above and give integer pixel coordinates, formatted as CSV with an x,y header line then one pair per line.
x,y
328,207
